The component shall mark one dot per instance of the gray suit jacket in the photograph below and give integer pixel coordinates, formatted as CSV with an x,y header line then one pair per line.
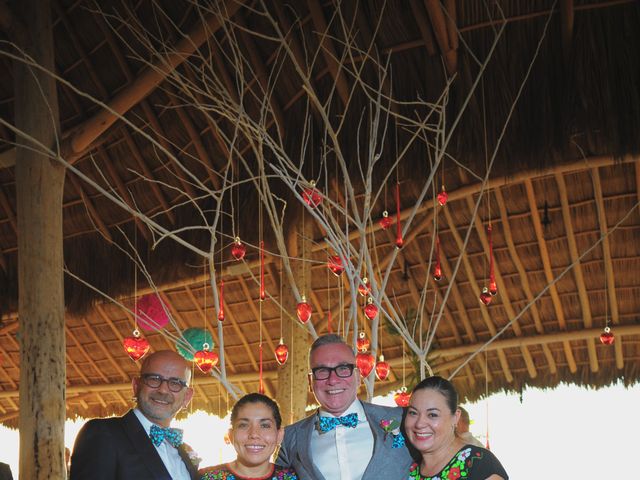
x,y
386,462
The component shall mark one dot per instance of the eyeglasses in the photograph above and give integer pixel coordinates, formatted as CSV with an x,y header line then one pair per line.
x,y
344,370
152,380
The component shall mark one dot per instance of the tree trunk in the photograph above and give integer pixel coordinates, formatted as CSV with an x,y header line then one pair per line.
x,y
39,187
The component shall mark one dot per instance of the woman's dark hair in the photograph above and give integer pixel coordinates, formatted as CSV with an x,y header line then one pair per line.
x,y
442,385
257,398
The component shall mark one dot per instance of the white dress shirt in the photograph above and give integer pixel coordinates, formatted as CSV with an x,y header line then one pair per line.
x,y
168,453
344,452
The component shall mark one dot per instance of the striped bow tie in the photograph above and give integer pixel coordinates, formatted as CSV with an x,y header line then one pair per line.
x,y
326,424
172,435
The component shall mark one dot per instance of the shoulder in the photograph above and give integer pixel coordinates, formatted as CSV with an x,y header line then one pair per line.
x,y
482,460
381,411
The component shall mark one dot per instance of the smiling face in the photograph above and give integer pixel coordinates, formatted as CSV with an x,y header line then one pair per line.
x,y
254,435
160,404
429,422
334,394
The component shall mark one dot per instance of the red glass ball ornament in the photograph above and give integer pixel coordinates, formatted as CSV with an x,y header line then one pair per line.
x,y
493,288
382,369
371,311
386,221
485,296
363,343
282,353
206,359
238,250
365,363
606,337
312,196
136,346
437,272
402,397
365,289
443,196
335,265
303,311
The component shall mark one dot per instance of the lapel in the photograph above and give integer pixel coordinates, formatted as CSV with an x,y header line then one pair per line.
x,y
378,437
142,443
306,431
193,471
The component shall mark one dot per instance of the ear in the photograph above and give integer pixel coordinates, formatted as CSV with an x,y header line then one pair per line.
x,y
280,435
188,395
229,437
135,385
457,416
310,382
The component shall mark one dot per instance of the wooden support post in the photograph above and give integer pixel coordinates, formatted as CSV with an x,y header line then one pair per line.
x,y
292,377
39,186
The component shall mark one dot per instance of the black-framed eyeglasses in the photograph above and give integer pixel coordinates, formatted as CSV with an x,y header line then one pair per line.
x,y
344,370
152,380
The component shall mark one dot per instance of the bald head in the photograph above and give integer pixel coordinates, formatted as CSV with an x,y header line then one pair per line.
x,y
166,357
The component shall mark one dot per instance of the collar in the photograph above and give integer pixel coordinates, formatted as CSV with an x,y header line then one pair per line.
x,y
144,421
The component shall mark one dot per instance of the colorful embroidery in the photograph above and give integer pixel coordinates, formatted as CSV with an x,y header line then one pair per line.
x,y
459,467
222,473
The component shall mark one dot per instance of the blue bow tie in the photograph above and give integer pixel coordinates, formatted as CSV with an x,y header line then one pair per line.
x,y
172,435
326,424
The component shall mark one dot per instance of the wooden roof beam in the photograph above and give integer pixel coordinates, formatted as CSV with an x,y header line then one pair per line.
x,y
256,312
450,56
91,210
144,84
524,278
544,255
577,269
476,292
329,50
606,254
428,39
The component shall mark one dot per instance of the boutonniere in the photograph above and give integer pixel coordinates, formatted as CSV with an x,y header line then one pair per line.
x,y
193,456
393,427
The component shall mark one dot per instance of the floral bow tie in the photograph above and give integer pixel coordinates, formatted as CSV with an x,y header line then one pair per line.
x,y
172,435
326,424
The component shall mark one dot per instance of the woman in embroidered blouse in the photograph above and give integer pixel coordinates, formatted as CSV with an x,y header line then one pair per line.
x,y
429,423
256,430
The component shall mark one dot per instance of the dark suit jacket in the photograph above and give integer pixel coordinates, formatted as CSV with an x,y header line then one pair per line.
x,y
386,462
119,449
5,472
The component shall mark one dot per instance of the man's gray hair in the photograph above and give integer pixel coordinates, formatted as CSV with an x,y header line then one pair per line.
x,y
328,339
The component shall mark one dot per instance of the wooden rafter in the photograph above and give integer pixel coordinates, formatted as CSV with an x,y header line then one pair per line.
x,y
577,269
91,210
434,9
548,272
256,312
428,39
567,15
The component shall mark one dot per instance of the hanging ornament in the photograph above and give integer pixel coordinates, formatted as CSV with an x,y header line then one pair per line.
x,y
437,268
399,240
371,311
194,338
382,369
311,195
443,196
206,359
239,249
260,377
151,314
485,296
363,343
365,363
402,398
282,353
386,221
335,265
329,326
606,337
221,311
262,290
303,310
364,288
136,346
493,287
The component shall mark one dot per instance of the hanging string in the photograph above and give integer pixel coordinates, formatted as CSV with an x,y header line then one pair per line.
x,y
486,394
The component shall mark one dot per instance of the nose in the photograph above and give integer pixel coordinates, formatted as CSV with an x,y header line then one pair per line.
x,y
253,432
164,386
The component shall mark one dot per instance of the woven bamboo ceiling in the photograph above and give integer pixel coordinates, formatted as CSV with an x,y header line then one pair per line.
x,y
527,111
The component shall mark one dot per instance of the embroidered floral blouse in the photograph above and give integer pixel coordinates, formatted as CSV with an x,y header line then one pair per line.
x,y
224,472
469,463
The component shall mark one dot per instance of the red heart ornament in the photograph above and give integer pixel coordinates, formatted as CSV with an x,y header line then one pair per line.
x,y
443,196
437,272
606,337
386,221
365,363
136,347
362,343
382,369
303,311
282,353
371,311
206,360
312,196
335,265
238,250
485,296
402,397
364,290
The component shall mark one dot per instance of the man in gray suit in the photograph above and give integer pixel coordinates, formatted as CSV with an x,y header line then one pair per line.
x,y
346,439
